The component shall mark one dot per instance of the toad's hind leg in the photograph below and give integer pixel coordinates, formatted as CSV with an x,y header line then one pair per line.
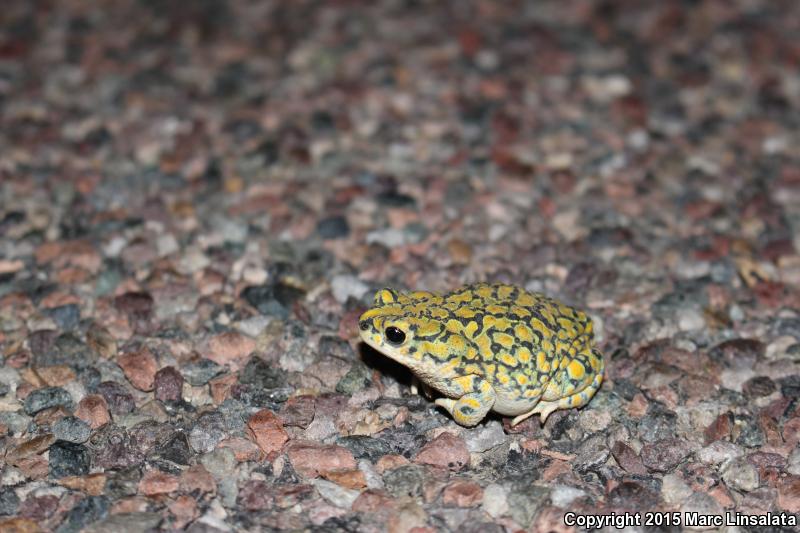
x,y
571,387
475,398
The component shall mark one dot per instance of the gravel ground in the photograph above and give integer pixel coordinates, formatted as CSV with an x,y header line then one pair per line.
x,y
197,200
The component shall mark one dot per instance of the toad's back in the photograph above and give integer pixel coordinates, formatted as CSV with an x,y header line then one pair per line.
x,y
522,337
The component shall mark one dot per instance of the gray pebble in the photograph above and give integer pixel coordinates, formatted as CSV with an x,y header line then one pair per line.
x,y
47,397
741,474
9,501
87,511
72,429
405,481
486,437
68,459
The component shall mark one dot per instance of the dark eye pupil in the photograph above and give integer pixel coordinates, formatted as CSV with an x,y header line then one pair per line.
x,y
395,335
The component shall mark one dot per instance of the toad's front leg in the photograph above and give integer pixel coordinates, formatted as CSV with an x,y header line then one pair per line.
x,y
475,398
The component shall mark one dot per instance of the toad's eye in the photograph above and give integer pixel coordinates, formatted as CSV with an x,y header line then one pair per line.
x,y
395,335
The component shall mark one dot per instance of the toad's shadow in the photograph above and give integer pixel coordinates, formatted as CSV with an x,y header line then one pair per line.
x,y
385,366
393,370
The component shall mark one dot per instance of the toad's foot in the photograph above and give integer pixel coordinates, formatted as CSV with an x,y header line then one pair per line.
x,y
476,399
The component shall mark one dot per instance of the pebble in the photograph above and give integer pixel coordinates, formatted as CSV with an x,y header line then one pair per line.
x,y
719,429
72,429
135,522
118,399
68,459
272,300
30,447
627,458
747,433
232,230
267,431
446,450
208,430
333,227
140,368
90,510
9,501
563,496
262,374
66,349
311,459
201,371
789,493
243,449
230,348
718,452
123,483
358,377
168,384
90,378
39,507
388,238
66,317
155,482
351,478
137,305
47,397
114,448
404,481
655,424
690,320
193,260
486,437
462,493
664,455
595,420
93,410
758,387
100,340
525,501
197,478
702,504
255,495
779,348
790,386
56,376
794,462
335,494
253,326
741,474
174,449
631,495
365,447
221,463
166,245
17,423
674,490
345,287
93,484
234,413
593,451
